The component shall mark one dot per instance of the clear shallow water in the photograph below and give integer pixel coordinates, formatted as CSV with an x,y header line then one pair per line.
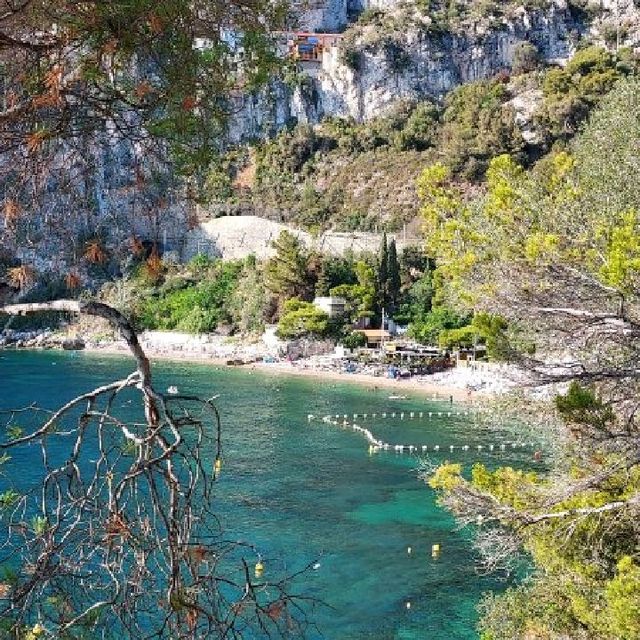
x,y
303,492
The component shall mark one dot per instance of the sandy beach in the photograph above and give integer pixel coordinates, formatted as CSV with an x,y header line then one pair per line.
x,y
438,384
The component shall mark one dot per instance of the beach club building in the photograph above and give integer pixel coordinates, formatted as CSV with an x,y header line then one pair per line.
x,y
375,337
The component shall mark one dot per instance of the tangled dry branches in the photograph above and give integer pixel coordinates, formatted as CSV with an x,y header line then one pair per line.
x,y
116,535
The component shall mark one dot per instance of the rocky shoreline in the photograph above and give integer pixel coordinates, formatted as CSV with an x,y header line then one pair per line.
x,y
44,339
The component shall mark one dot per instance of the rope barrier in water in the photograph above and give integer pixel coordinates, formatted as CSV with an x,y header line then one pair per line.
x,y
409,415
376,445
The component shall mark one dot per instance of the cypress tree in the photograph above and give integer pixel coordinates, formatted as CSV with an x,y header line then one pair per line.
x,y
393,276
383,273
324,282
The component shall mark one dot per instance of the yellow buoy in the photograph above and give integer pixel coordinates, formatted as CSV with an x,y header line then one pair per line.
x,y
435,550
259,569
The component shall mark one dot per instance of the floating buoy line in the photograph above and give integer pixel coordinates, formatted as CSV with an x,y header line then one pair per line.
x,y
402,415
376,445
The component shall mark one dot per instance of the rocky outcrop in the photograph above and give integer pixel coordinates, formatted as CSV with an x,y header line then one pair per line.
x,y
405,55
108,190
103,189
368,72
320,15
418,64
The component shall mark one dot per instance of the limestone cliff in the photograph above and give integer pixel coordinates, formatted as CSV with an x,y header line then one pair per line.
x,y
387,52
403,52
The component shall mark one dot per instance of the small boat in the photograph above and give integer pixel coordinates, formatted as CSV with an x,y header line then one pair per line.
x,y
397,397
173,390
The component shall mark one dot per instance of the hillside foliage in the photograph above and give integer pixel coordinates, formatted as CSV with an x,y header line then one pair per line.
x,y
555,251
347,175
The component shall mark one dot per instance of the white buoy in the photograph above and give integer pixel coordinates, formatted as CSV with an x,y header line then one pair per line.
x,y
421,414
412,414
490,447
479,447
408,605
502,447
402,416
424,447
355,415
451,448
466,447
449,414
430,413
436,448
393,415
384,415
409,550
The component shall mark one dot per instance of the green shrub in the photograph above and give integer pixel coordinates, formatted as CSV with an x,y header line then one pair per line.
x,y
302,319
427,329
572,92
477,127
525,58
191,307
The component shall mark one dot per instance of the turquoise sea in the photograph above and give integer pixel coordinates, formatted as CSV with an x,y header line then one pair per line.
x,y
310,492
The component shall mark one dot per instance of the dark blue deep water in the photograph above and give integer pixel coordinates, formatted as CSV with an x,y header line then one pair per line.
x,y
304,492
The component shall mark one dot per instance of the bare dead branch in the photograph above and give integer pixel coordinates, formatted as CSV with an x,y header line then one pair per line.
x,y
119,537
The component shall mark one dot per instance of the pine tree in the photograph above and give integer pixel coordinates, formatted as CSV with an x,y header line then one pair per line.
x,y
393,276
286,273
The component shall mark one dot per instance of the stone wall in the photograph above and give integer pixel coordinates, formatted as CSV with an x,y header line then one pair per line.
x,y
237,237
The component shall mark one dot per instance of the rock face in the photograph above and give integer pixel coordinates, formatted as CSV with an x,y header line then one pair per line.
x,y
413,63
114,192
320,15
102,189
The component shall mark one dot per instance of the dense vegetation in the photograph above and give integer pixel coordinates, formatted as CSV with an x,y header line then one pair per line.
x,y
349,175
556,251
240,297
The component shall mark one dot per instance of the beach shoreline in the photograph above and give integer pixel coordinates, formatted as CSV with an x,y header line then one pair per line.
x,y
299,370
465,382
